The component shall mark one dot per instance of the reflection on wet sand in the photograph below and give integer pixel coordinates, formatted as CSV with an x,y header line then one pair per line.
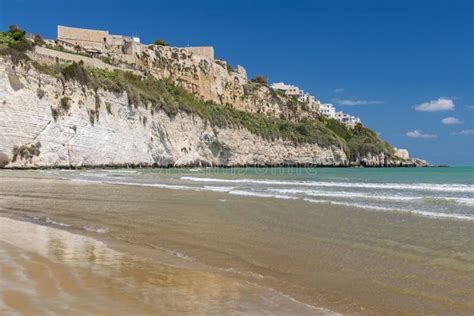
x,y
46,270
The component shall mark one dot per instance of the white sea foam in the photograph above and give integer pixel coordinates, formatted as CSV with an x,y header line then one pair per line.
x,y
51,221
467,201
295,194
196,170
99,230
95,175
182,255
383,208
368,185
160,185
350,195
246,273
346,194
152,185
218,188
122,171
258,194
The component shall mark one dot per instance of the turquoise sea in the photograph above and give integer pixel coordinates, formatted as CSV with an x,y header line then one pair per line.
x,y
265,241
435,192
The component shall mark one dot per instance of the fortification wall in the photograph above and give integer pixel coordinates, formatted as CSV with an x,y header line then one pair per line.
x,y
46,55
204,51
83,37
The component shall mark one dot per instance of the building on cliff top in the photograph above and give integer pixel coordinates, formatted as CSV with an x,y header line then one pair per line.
x,y
287,89
327,109
401,153
95,41
347,119
100,41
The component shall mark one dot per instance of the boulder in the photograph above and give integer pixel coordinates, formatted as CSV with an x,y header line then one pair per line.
x,y
4,160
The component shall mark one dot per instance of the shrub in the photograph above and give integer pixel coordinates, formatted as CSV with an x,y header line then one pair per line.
x,y
108,106
65,106
92,116
97,101
22,46
54,113
14,45
40,92
161,42
360,140
16,32
260,79
26,151
38,39
76,72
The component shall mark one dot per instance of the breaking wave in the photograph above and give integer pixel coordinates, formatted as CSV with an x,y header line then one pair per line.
x,y
368,185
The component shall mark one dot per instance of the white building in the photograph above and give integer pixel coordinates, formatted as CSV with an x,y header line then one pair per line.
x,y
327,109
402,153
347,119
303,97
288,89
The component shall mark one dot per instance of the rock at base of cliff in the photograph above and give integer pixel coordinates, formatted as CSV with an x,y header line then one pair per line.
x,y
3,160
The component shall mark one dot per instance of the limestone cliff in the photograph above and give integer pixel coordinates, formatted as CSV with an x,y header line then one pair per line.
x,y
102,129
160,106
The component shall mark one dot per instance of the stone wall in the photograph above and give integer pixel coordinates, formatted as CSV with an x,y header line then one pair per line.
x,y
50,56
204,51
83,37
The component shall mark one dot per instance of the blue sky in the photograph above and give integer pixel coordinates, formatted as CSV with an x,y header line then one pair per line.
x,y
375,59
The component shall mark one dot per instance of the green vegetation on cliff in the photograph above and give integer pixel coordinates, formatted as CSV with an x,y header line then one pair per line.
x,y
360,140
14,44
164,95
153,94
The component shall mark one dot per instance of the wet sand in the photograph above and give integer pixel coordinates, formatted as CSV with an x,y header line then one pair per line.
x,y
46,270
110,249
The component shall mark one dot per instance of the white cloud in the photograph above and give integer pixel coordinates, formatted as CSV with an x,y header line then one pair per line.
x,y
419,134
464,132
339,90
451,121
442,104
355,102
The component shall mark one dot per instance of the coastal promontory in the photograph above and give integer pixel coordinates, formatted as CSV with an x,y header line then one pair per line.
x,y
73,102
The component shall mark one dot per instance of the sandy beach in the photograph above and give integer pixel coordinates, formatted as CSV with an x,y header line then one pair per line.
x,y
72,247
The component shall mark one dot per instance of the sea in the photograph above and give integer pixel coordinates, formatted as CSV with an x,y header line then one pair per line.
x,y
432,192
271,241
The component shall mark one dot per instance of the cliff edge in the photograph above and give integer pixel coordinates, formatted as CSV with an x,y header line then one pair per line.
x,y
62,113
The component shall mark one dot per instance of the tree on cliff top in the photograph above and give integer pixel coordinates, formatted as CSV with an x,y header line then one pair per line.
x,y
260,79
161,42
16,32
38,39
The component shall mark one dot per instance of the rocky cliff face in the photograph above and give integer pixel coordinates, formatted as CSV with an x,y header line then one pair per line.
x,y
215,80
45,122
